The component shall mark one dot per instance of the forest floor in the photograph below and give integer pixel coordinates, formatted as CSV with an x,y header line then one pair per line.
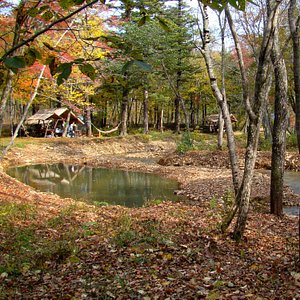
x,y
54,248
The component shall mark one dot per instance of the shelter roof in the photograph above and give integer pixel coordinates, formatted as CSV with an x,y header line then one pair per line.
x,y
45,115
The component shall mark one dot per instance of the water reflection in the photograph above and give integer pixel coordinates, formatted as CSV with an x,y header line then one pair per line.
x,y
93,185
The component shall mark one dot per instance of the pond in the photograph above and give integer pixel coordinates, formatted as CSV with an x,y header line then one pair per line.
x,y
292,179
96,185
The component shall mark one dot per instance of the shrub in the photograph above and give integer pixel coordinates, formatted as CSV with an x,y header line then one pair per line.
x,y
185,144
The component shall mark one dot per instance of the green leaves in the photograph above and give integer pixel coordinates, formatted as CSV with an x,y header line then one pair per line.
x,y
66,4
163,24
238,4
30,56
88,70
142,21
220,5
16,62
64,71
139,63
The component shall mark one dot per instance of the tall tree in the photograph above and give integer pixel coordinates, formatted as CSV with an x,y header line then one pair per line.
x,y
206,52
294,23
280,125
255,118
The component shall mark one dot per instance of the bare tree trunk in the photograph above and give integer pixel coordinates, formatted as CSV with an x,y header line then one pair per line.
x,y
89,132
221,101
21,18
177,114
124,108
146,117
220,131
5,96
24,114
255,116
161,123
221,120
279,128
66,125
267,122
294,22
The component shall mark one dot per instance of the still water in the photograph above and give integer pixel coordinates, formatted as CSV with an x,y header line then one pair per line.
x,y
95,185
292,179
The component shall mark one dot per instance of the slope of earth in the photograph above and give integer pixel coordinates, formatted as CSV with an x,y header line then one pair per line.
x,y
53,248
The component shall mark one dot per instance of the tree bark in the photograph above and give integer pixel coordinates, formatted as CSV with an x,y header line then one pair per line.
x,y
24,115
220,99
89,132
124,108
223,90
146,116
20,20
294,23
4,97
255,116
279,128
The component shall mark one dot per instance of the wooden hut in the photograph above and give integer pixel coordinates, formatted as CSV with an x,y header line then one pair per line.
x,y
50,122
211,123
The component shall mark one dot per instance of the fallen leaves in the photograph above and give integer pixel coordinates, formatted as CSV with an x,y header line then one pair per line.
x,y
164,251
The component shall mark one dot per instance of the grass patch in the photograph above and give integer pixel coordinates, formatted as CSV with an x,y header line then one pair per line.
x,y
11,213
139,234
18,142
291,141
27,246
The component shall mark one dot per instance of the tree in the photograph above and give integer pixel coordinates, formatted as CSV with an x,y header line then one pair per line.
x,y
280,126
255,117
206,52
294,23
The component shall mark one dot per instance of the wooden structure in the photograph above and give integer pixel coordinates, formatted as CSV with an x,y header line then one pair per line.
x,y
50,122
211,123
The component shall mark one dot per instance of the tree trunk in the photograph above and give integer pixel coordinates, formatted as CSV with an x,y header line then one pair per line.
x,y
5,96
24,114
221,120
66,125
279,128
267,125
220,131
255,116
146,117
21,19
124,108
221,101
89,131
161,123
295,33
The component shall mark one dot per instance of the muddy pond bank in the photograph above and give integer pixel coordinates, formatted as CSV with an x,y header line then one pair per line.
x,y
202,175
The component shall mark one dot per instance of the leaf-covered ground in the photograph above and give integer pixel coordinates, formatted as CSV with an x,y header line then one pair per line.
x,y
53,248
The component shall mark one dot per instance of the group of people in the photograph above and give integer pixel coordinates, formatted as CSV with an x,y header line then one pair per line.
x,y
71,132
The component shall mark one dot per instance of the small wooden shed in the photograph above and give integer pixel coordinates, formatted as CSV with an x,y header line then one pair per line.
x,y
48,122
211,122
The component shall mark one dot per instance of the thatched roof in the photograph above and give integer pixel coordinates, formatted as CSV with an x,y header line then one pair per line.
x,y
46,115
214,119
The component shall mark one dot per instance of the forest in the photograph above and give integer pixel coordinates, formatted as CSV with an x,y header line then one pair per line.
x,y
203,92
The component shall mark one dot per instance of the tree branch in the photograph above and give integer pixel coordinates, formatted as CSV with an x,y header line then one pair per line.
x,y
32,38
